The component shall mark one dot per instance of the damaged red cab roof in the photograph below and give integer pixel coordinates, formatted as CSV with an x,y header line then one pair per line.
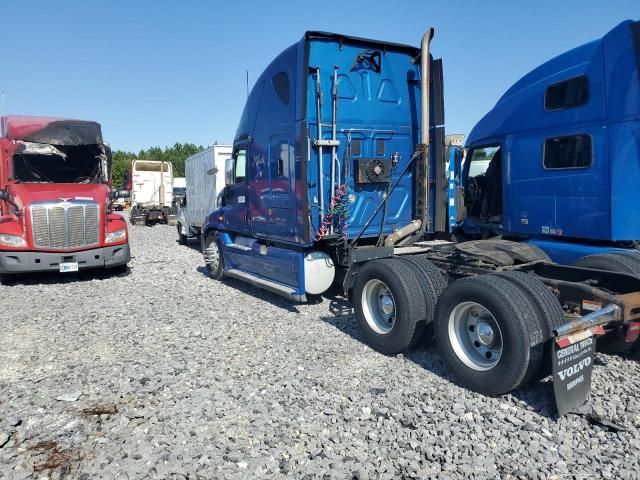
x,y
51,130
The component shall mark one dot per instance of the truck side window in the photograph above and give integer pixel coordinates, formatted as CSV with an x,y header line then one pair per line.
x,y
480,159
280,83
572,151
567,94
279,164
228,171
240,166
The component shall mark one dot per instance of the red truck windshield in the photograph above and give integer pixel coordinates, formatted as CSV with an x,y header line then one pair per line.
x,y
38,162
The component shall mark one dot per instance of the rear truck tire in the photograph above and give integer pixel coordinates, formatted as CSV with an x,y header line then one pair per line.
x,y
489,333
433,284
213,258
182,239
631,258
549,310
613,342
386,305
614,262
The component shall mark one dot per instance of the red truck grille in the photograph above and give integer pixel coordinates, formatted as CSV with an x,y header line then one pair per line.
x,y
65,226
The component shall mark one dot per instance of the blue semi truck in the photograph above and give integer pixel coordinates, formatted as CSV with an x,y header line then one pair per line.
x,y
556,162
335,181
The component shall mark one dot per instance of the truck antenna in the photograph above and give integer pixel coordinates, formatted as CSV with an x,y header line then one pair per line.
x,y
247,83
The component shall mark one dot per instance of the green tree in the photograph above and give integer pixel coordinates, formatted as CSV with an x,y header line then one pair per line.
x,y
176,155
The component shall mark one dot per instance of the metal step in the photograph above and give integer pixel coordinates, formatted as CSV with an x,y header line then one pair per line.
x,y
260,282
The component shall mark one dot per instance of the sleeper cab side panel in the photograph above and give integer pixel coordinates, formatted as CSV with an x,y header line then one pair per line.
x,y
564,202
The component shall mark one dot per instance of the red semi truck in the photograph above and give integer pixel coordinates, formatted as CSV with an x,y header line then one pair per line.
x,y
55,199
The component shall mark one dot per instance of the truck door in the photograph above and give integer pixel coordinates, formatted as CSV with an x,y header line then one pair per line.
x,y
236,216
273,204
482,181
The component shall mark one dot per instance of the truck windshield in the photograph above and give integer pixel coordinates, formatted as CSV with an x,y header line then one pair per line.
x,y
43,163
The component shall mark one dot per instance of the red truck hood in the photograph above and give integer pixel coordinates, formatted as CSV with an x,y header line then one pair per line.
x,y
25,194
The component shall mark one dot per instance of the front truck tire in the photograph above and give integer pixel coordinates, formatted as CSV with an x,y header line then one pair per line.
x,y
388,305
213,258
621,262
489,333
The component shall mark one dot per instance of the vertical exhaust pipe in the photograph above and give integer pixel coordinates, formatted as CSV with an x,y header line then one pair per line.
x,y
425,124
425,79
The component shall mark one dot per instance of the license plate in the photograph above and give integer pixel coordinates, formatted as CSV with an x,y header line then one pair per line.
x,y
68,267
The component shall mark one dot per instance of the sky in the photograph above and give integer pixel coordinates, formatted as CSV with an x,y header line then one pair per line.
x,y
154,73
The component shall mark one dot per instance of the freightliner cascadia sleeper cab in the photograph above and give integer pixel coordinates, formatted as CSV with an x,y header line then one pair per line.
x,y
339,177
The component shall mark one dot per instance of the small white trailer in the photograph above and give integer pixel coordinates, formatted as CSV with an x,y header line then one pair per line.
x,y
152,193
205,174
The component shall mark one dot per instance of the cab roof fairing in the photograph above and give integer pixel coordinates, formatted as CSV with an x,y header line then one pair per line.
x,y
247,119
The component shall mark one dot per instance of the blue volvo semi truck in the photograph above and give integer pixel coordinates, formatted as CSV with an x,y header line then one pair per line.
x,y
336,181
556,162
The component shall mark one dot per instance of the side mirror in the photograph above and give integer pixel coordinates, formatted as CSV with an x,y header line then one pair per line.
x,y
4,195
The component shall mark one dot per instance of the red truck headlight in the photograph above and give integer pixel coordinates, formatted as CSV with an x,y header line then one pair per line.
x,y
15,241
116,236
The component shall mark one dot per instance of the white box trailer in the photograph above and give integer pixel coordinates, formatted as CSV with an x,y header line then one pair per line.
x,y
205,174
152,193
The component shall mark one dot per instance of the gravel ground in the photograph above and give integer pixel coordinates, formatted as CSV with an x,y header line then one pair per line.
x,y
165,373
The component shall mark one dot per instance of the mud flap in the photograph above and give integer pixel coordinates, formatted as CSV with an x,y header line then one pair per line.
x,y
572,361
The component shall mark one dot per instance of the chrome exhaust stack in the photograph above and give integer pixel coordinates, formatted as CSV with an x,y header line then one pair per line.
x,y
425,79
421,202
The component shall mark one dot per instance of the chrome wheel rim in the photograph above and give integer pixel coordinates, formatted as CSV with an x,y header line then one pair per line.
x,y
475,336
378,306
212,255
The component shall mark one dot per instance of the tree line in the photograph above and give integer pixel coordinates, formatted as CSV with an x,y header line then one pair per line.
x,y
176,154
